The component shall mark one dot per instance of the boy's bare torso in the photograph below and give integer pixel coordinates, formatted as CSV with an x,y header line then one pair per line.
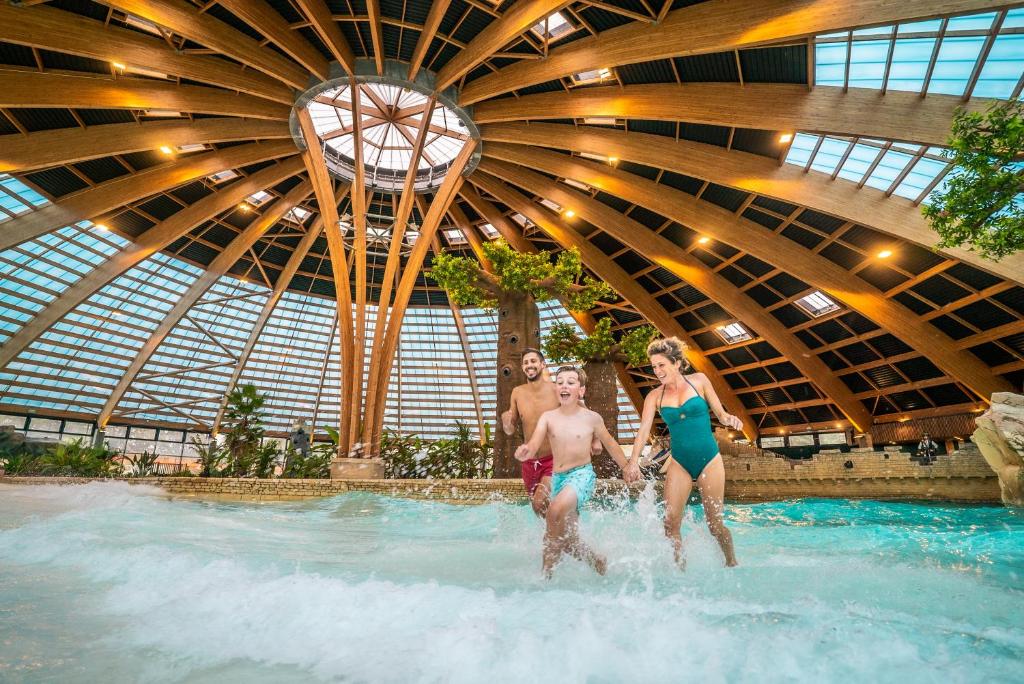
x,y
571,434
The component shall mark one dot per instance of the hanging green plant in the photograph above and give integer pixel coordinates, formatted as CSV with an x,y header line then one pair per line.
x,y
981,206
469,285
562,344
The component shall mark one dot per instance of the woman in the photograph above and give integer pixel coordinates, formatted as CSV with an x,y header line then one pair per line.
x,y
684,402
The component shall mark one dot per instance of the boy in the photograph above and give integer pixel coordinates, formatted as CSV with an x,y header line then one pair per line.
x,y
570,429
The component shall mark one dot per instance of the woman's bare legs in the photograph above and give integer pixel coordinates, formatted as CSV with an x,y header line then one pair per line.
x,y
711,484
678,484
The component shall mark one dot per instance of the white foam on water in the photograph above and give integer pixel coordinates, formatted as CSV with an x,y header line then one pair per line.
x,y
361,588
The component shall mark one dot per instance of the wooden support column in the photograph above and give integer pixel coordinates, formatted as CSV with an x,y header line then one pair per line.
x,y
665,253
620,281
748,236
359,264
317,167
752,173
445,195
152,241
283,280
99,199
20,153
187,20
217,268
47,28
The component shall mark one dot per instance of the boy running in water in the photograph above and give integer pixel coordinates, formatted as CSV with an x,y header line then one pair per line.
x,y
570,429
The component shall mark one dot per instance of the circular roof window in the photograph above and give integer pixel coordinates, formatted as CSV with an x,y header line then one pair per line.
x,y
391,117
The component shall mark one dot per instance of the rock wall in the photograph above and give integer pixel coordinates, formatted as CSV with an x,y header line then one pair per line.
x,y
1000,436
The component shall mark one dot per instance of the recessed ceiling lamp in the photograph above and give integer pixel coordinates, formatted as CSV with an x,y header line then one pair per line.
x,y
785,138
885,254
704,240
569,213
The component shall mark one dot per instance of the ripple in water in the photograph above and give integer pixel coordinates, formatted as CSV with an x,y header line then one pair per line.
x,y
120,583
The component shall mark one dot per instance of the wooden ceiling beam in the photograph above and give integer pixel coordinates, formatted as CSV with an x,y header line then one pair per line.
x,y
92,202
267,21
430,26
692,270
217,268
607,270
154,240
752,238
45,90
283,280
323,24
53,29
376,34
716,26
764,106
322,185
185,19
374,413
751,173
21,153
499,33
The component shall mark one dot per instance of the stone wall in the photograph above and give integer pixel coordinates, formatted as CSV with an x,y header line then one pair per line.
x,y
963,476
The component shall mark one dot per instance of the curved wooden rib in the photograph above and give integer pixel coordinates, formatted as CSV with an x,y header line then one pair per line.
x,y
517,19
217,268
374,415
283,280
715,26
20,153
816,271
613,274
187,20
376,34
692,270
430,26
323,24
359,202
267,21
94,201
153,240
391,267
317,167
60,31
777,106
33,89
754,173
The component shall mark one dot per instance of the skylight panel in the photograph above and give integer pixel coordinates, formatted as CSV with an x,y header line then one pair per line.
x,y
191,147
454,236
817,304
489,231
577,184
733,333
258,198
222,176
555,26
553,206
592,76
142,24
297,215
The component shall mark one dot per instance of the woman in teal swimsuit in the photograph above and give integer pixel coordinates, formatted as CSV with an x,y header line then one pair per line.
x,y
685,402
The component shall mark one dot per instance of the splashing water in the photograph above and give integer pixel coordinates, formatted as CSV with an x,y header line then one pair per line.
x,y
120,583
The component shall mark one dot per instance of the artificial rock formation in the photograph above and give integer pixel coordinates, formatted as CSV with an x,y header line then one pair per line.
x,y
1000,437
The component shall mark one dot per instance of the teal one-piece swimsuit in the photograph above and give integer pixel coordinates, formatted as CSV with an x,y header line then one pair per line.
x,y
689,425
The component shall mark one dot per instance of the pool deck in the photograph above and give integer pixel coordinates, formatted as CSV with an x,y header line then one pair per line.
x,y
962,477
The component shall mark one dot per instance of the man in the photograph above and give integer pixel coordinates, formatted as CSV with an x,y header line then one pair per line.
x,y
528,402
927,449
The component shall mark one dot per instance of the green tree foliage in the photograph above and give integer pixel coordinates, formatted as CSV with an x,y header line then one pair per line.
x,y
982,205
514,271
242,453
460,456
72,459
563,343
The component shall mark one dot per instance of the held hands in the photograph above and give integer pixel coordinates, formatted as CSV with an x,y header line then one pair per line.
x,y
731,421
631,473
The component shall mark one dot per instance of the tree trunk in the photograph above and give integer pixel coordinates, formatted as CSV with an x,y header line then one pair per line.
x,y
602,397
518,329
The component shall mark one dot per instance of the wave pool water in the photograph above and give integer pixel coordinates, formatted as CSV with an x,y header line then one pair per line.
x,y
111,582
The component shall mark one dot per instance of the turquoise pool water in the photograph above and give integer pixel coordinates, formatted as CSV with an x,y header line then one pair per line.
x,y
106,582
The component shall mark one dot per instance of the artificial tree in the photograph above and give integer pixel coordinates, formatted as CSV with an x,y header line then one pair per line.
x,y
599,352
513,286
981,205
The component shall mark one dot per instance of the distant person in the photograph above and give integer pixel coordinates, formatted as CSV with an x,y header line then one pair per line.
x,y
571,430
927,450
299,438
685,403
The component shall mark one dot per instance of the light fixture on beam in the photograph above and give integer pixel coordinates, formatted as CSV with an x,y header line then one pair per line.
x,y
166,149
101,226
569,213
885,254
786,138
703,239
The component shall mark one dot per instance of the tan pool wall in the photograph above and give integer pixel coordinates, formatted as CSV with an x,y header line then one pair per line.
x,y
963,476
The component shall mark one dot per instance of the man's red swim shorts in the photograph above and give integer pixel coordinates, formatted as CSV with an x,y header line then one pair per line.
x,y
536,469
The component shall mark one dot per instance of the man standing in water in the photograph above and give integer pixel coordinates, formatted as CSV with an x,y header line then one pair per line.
x,y
528,402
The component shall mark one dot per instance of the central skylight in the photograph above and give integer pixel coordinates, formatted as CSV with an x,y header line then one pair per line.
x,y
391,117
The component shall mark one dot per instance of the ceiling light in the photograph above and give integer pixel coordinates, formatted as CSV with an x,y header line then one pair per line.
x,y
101,226
245,206
884,254
704,240
785,138
119,66
569,213
612,160
166,150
